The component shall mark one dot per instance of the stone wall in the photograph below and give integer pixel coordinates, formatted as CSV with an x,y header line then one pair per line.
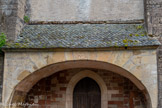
x,y
11,17
51,91
154,18
1,74
86,10
139,63
11,22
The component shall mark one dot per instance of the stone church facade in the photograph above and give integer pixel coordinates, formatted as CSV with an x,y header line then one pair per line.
x,y
81,54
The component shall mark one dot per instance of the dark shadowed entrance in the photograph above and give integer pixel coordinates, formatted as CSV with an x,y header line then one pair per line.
x,y
87,94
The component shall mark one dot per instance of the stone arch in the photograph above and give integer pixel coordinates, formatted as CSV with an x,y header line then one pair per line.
x,y
26,84
75,79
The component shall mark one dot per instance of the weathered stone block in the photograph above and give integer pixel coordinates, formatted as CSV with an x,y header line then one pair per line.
x,y
11,11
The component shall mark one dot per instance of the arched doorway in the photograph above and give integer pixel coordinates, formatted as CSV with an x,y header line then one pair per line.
x,y
87,94
60,89
24,88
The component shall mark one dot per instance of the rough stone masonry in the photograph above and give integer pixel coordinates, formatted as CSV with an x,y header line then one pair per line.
x,y
12,12
154,20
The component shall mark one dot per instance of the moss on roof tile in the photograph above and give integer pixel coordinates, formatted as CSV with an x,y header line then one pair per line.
x,y
83,36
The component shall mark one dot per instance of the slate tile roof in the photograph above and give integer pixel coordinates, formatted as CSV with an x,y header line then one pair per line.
x,y
83,36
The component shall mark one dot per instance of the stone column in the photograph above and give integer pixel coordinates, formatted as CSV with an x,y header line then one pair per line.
x,y
154,20
11,17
